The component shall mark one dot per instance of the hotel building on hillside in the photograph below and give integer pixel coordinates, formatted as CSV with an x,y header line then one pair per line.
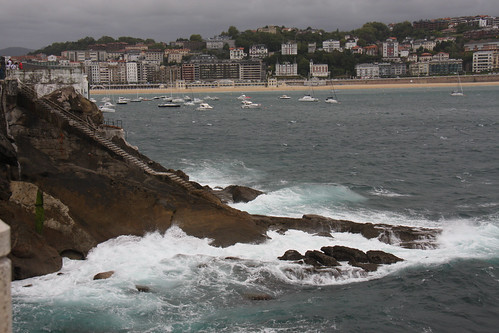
x,y
289,49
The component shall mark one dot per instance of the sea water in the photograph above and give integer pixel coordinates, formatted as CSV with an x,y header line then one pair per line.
x,y
416,157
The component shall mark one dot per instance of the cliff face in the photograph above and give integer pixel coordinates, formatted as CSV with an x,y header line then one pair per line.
x,y
91,192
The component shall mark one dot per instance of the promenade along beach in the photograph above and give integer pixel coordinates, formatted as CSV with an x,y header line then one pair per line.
x,y
391,83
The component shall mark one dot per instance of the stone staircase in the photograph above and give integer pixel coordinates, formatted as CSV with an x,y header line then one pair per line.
x,y
91,131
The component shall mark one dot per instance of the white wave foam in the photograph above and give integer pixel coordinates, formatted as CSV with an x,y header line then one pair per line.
x,y
294,201
382,192
221,173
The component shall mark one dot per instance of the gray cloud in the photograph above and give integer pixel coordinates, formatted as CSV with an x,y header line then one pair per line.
x,y
37,24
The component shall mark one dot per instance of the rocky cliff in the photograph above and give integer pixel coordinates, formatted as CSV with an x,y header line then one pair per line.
x,y
62,169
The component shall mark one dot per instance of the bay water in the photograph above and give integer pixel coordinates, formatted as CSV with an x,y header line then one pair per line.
x,y
415,157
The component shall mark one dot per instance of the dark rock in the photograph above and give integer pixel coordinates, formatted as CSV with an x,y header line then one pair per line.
x,y
236,193
322,258
142,288
103,275
368,267
291,255
343,253
380,257
258,296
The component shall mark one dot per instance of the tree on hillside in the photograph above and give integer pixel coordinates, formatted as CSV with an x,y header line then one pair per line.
x,y
196,38
105,40
372,32
402,30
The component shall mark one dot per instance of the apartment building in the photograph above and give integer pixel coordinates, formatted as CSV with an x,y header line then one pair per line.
x,y
289,49
237,53
286,69
330,45
258,51
483,61
367,71
252,70
391,48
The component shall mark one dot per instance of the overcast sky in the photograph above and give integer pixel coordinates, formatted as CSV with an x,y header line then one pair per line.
x,y
36,24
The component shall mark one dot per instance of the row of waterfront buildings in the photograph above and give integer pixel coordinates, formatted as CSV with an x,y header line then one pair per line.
x,y
121,63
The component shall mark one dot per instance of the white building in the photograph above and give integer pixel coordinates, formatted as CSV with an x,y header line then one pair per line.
x,y
258,51
286,69
367,71
131,72
351,43
483,61
330,45
237,53
289,49
424,43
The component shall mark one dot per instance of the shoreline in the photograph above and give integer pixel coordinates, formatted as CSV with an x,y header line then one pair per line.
x,y
337,86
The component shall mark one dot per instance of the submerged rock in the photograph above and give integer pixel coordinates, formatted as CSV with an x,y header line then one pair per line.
x,y
258,296
142,288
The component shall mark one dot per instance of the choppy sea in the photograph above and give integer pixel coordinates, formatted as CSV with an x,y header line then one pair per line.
x,y
416,157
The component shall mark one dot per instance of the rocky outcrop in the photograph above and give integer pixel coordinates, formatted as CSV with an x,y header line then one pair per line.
x,y
237,193
330,256
94,190
408,237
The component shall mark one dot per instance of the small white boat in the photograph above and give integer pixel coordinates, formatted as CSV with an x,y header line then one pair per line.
x,y
169,105
331,100
93,100
243,97
122,100
250,105
204,106
108,104
106,109
284,97
197,100
209,98
178,100
189,103
308,98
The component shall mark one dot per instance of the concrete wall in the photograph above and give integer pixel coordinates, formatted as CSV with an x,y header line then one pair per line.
x,y
47,80
5,278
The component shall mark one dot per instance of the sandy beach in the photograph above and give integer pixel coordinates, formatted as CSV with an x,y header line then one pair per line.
x,y
340,85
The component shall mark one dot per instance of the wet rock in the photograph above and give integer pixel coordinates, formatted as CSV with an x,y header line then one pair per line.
x,y
236,193
368,267
142,288
103,275
322,258
381,257
291,255
343,253
258,296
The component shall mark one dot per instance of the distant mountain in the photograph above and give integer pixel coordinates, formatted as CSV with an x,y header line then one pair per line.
x,y
14,51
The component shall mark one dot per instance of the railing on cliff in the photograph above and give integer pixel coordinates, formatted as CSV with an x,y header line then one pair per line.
x,y
91,131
